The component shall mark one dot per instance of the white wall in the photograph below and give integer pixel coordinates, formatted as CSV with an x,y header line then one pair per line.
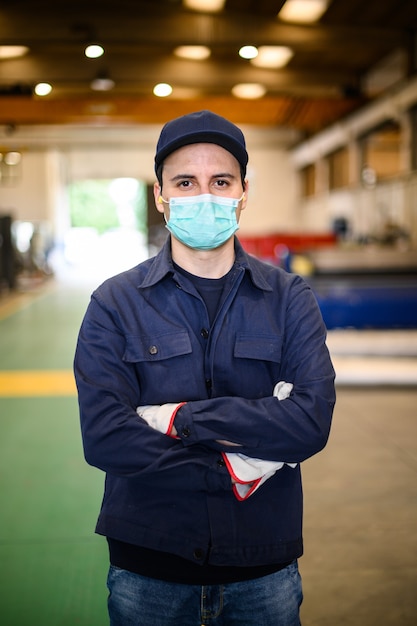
x,y
28,195
272,192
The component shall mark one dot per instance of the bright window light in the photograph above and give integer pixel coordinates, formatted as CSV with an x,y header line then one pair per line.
x,y
43,89
162,90
12,52
248,52
204,5
303,11
249,91
94,51
12,158
195,53
272,56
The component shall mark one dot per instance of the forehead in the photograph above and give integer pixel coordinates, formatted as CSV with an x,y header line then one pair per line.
x,y
202,155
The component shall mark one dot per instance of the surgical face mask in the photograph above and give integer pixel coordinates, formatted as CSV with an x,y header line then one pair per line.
x,y
203,222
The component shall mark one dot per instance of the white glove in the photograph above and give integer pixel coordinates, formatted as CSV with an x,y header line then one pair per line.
x,y
248,473
282,390
160,416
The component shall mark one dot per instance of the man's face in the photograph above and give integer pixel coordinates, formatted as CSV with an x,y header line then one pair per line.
x,y
200,168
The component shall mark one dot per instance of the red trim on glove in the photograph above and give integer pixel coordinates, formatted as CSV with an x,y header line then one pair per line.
x,y
249,493
254,483
171,421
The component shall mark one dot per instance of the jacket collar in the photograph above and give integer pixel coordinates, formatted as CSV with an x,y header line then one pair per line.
x,y
162,266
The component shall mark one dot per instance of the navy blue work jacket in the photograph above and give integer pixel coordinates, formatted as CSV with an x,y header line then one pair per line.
x,y
145,339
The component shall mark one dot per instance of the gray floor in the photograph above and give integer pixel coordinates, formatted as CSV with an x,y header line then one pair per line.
x,y
360,566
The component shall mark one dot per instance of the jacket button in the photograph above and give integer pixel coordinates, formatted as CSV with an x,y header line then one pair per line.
x,y
204,333
198,554
221,463
153,350
186,432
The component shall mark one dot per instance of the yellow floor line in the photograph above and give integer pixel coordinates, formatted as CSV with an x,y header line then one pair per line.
x,y
37,383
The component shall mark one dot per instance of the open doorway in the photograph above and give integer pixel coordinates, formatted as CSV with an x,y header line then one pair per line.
x,y
108,226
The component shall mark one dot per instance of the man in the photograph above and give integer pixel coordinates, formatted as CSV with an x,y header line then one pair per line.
x,y
204,381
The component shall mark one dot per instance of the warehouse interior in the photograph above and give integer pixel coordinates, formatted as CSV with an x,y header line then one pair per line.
x,y
330,118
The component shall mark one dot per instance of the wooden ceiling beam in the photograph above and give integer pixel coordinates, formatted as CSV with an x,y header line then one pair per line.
x,y
308,116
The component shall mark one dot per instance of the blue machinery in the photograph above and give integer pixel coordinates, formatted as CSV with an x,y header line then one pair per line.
x,y
379,302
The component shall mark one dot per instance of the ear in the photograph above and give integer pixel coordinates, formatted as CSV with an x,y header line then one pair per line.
x,y
158,198
245,195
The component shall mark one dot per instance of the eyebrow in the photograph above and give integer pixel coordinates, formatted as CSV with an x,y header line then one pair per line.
x,y
193,176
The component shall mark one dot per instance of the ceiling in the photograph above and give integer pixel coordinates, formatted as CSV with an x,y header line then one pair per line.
x,y
327,78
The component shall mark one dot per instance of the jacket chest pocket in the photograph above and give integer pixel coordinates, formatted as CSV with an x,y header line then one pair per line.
x,y
257,360
258,347
156,347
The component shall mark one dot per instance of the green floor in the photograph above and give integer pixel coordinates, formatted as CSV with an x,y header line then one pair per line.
x,y
53,567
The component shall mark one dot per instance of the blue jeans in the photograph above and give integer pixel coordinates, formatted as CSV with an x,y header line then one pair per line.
x,y
272,600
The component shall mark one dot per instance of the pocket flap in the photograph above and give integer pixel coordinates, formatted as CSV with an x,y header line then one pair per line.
x,y
156,347
260,347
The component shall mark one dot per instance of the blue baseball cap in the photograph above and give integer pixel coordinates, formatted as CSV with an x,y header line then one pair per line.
x,y
201,127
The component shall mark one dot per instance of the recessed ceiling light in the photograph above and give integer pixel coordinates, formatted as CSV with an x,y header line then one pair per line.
x,y
13,52
204,5
195,53
162,90
248,52
272,56
43,89
249,91
94,51
303,11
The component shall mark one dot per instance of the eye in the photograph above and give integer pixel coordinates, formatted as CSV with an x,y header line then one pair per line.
x,y
184,184
221,182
